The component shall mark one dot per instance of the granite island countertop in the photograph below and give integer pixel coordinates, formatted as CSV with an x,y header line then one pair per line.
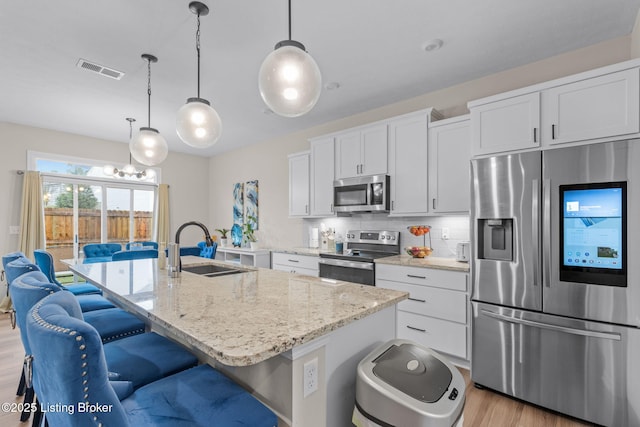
x,y
426,262
238,319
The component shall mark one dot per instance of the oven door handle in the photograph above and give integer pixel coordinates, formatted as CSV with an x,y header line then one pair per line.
x,y
347,264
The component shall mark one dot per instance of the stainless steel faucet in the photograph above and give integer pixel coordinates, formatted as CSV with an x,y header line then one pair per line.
x,y
174,262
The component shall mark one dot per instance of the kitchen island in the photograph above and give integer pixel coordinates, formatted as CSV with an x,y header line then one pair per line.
x,y
261,327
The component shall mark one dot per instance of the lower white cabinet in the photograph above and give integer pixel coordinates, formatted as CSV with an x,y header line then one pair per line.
x,y
436,314
294,263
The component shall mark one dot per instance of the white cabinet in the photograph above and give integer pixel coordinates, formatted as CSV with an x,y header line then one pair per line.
x,y
294,263
245,256
408,164
361,151
322,176
506,125
299,184
449,152
593,106
436,314
599,107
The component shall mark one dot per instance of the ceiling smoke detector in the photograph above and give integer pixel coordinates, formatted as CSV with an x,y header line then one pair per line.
x,y
432,45
99,69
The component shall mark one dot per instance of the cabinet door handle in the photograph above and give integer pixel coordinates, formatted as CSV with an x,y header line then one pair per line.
x,y
293,260
417,299
416,329
553,131
306,208
433,204
416,277
331,207
392,205
535,134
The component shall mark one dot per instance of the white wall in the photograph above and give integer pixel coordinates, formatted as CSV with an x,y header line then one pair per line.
x,y
188,176
267,161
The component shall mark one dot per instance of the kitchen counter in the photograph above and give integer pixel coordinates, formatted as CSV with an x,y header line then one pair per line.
x,y
239,319
427,262
301,251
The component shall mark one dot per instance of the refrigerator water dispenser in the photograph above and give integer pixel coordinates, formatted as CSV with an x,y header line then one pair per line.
x,y
495,239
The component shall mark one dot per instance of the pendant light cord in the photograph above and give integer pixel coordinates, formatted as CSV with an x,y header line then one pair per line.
x,y
130,120
289,19
198,51
149,92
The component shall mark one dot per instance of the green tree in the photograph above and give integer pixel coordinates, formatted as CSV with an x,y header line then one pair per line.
x,y
86,199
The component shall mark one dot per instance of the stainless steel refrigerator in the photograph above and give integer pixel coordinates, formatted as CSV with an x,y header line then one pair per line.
x,y
556,279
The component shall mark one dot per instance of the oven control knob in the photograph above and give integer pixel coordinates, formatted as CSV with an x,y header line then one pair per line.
x,y
393,237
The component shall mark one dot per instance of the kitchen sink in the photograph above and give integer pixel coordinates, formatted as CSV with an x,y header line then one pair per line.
x,y
211,270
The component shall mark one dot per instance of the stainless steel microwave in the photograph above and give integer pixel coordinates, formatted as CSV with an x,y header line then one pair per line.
x,y
361,194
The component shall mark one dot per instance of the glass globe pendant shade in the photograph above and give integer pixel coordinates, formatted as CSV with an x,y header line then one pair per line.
x,y
148,147
290,81
109,170
198,124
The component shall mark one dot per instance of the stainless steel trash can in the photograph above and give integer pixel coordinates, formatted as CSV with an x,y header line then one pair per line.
x,y
402,384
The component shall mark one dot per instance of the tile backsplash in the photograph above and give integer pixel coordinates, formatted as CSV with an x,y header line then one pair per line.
x,y
458,229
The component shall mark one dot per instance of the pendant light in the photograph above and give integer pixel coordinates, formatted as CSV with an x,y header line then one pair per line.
x,y
128,170
148,146
198,124
290,80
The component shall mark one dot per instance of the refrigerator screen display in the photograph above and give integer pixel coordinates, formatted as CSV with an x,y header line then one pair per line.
x,y
593,233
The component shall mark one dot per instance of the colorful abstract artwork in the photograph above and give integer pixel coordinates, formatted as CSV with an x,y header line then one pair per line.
x,y
251,203
238,203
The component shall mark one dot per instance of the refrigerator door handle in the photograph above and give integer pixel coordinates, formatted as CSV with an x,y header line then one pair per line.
x,y
551,327
535,229
546,232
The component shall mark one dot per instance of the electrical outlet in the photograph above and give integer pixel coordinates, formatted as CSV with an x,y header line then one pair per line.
x,y
445,233
310,377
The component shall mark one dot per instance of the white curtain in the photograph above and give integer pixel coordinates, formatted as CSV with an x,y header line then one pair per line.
x,y
162,215
32,214
31,221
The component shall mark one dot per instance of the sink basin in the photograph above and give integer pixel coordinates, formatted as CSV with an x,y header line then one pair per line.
x,y
211,270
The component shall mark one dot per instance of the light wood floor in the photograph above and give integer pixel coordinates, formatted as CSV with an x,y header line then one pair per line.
x,y
483,408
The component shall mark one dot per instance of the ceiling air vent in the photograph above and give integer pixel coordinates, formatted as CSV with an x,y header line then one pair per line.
x,y
100,69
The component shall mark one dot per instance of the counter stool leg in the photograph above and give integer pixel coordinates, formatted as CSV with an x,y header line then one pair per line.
x,y
22,385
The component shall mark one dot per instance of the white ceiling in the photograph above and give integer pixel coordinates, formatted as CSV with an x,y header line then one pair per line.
x,y
373,48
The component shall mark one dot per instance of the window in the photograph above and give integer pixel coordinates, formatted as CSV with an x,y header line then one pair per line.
x,y
82,205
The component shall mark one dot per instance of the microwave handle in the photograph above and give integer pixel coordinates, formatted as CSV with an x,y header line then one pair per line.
x,y
369,194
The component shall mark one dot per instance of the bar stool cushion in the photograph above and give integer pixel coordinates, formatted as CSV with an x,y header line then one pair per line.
x,y
200,396
147,357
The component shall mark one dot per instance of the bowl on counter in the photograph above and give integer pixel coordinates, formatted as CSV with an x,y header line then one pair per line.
x,y
418,251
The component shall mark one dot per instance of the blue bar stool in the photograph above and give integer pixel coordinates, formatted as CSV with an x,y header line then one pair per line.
x,y
44,261
70,369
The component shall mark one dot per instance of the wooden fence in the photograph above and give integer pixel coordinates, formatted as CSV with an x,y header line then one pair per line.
x,y
59,226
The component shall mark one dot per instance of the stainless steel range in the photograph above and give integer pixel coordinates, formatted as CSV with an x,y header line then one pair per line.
x,y
356,264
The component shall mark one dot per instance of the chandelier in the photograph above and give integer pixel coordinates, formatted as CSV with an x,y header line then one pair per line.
x,y
129,170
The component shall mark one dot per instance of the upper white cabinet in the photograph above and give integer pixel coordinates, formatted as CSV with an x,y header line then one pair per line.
x,y
299,184
449,152
322,175
506,125
408,164
361,151
595,108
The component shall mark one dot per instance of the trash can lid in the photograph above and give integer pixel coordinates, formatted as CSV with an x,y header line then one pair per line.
x,y
413,371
